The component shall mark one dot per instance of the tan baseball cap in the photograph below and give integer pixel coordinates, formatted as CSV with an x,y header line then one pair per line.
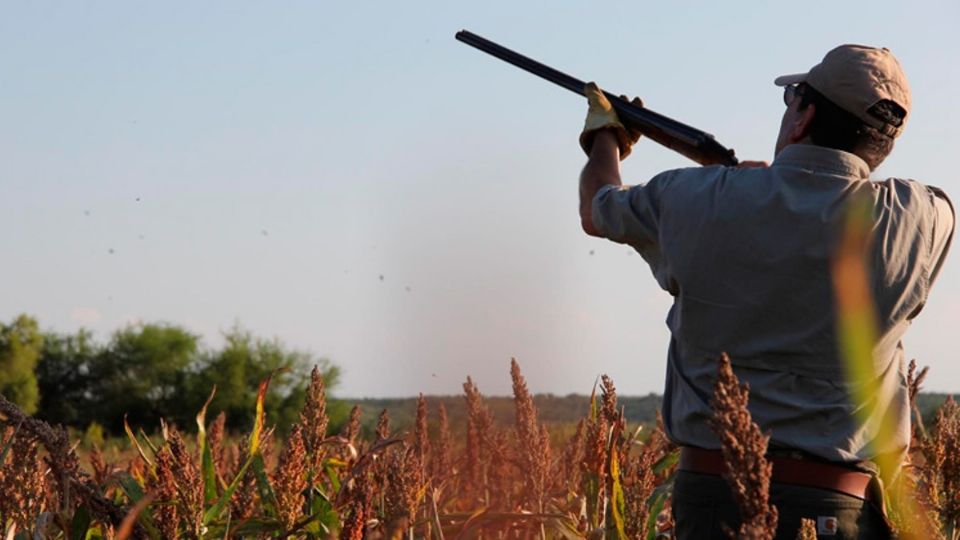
x,y
857,77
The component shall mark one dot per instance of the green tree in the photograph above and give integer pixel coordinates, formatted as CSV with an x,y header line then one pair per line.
x,y
153,371
144,373
244,361
20,345
63,376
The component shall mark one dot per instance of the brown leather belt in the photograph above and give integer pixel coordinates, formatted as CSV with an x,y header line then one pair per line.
x,y
798,472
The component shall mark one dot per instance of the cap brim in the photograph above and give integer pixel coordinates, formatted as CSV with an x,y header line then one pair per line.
x,y
785,80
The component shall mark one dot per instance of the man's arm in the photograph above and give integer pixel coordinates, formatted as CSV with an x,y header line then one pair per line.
x,y
945,219
602,169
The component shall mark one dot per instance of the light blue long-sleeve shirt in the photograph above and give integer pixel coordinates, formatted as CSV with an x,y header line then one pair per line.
x,y
746,254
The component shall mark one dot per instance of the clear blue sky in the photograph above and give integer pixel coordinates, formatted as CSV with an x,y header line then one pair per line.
x,y
206,163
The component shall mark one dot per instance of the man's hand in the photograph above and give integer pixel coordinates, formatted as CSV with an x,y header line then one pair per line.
x,y
752,164
601,116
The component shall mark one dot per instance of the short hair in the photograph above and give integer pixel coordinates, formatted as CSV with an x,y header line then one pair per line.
x,y
834,127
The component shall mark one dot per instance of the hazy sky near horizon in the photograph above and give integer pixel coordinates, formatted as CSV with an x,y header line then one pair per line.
x,y
348,178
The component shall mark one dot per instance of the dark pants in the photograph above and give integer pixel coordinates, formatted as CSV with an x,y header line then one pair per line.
x,y
702,502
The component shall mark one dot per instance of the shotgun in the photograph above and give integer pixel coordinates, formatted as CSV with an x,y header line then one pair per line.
x,y
687,140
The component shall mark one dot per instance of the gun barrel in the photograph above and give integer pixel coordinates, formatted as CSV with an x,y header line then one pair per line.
x,y
687,140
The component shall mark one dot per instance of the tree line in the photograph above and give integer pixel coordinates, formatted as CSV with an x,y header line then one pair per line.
x,y
553,410
149,371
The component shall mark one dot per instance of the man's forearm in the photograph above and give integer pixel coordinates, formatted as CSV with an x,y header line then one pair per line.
x,y
602,169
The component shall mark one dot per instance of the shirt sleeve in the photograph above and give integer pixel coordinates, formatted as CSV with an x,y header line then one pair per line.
x,y
630,214
944,222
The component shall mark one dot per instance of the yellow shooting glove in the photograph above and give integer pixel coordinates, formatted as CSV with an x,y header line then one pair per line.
x,y
600,115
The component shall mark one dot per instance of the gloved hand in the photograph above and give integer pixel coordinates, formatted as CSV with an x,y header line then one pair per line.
x,y
600,115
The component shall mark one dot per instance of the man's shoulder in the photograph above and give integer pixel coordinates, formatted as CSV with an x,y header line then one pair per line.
x,y
897,184
710,178
926,208
909,193
699,173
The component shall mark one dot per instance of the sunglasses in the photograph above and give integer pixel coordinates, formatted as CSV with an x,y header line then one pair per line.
x,y
791,92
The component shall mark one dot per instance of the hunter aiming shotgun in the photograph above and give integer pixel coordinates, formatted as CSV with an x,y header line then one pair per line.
x,y
689,141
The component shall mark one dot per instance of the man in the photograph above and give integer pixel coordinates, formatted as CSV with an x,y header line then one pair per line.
x,y
746,251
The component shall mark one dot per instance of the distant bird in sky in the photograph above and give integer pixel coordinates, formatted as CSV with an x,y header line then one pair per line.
x,y
381,277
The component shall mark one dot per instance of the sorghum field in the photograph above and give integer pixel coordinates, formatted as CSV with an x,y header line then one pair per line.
x,y
482,480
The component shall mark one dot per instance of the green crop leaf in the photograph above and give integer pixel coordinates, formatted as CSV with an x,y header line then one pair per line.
x,y
658,503
134,492
254,446
7,444
136,442
667,461
221,503
131,487
257,528
617,506
80,524
321,522
330,466
206,457
858,333
147,440
594,406
324,518
259,419
267,497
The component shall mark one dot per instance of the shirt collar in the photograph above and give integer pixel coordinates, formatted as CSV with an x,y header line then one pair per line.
x,y
822,159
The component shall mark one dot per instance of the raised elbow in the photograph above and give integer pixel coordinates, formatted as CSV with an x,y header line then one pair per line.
x,y
586,222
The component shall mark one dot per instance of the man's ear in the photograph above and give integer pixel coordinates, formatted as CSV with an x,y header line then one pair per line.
x,y
801,126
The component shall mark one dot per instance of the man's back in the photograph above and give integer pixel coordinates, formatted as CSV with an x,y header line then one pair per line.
x,y
746,253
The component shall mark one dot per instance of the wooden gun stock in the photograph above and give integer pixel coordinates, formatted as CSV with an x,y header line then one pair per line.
x,y
689,141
